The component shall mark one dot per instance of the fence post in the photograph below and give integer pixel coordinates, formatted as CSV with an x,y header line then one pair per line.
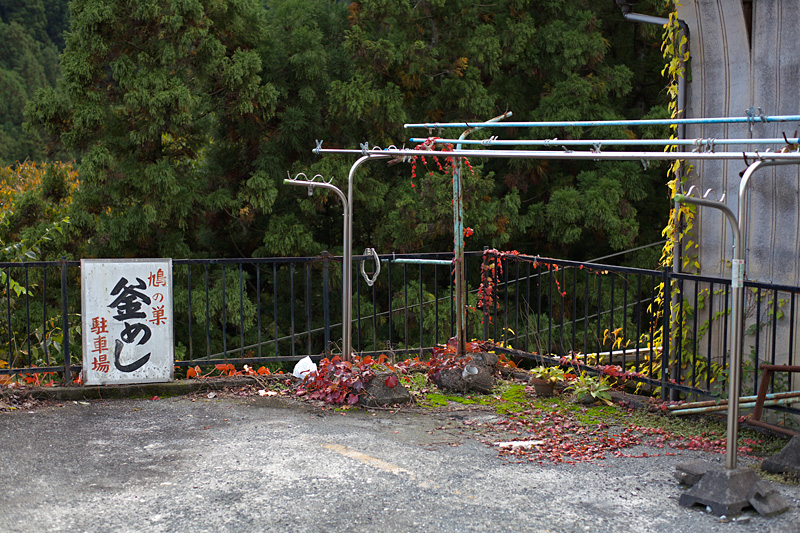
x,y
665,333
485,312
65,323
325,302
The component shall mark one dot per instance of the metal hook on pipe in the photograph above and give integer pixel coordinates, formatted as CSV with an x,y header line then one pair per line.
x,y
371,280
752,116
318,148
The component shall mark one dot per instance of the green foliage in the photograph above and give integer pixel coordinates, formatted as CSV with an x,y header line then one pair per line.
x,y
187,115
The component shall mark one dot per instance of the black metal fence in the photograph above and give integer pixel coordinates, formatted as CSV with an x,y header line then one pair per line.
x,y
281,309
612,315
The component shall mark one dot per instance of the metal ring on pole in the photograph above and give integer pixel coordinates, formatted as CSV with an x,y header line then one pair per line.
x,y
371,280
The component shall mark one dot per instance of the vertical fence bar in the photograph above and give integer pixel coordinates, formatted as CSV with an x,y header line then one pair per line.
x,y
421,316
466,300
653,326
308,307
528,321
452,303
44,317
405,302
758,339
358,312
679,342
325,304
574,309
65,321
505,305
275,306
224,317
391,309
189,290
725,329
241,311
774,333
665,334
8,312
516,303
599,315
563,305
484,279
639,313
495,297
549,347
258,307
27,317
436,304
208,317
624,316
791,328
611,327
539,306
586,316
375,316
694,333
710,334
291,306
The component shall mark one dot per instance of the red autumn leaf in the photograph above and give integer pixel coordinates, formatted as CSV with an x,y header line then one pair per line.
x,y
221,368
352,399
468,232
154,398
263,371
191,373
391,381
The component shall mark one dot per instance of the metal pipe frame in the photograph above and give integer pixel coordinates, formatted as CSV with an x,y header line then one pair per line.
x,y
458,242
737,297
409,154
347,340
594,123
698,142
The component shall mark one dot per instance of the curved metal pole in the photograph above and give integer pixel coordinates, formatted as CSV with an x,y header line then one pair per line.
x,y
346,230
744,183
737,297
347,260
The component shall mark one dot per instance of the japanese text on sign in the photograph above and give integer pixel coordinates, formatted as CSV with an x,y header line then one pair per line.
x,y
127,310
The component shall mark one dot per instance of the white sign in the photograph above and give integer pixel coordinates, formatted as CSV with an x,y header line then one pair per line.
x,y
127,321
737,273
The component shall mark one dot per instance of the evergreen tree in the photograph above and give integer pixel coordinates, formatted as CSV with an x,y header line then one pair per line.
x,y
151,90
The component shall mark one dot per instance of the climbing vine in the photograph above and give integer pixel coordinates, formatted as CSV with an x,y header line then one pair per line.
x,y
675,49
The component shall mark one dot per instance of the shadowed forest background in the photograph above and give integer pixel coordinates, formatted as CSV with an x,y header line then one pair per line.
x,y
164,128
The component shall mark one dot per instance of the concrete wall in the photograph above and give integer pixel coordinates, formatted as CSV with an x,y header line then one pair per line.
x,y
733,69
729,74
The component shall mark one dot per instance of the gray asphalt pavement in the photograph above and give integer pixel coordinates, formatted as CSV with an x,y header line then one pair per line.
x,y
258,464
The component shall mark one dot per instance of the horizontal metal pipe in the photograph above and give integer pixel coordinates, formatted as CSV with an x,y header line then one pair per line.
x,y
771,427
592,123
614,142
647,19
447,262
571,155
724,407
710,403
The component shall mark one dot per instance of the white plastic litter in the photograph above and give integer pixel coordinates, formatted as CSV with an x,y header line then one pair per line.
x,y
304,367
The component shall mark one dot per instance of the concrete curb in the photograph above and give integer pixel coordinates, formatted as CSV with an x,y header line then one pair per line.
x,y
143,390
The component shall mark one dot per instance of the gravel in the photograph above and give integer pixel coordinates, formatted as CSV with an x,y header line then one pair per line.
x,y
267,464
